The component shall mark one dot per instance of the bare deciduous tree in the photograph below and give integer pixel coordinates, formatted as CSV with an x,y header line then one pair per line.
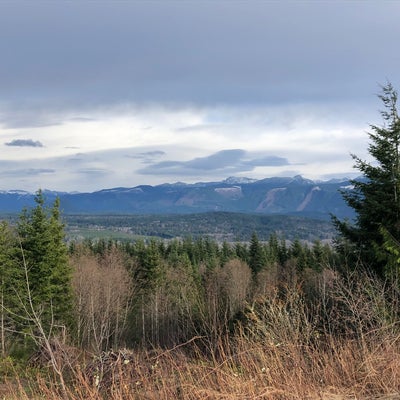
x,y
103,290
236,276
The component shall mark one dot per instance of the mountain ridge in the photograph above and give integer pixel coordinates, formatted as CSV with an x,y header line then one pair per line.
x,y
275,195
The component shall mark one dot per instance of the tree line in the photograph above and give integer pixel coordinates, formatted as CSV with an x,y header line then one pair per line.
x,y
106,293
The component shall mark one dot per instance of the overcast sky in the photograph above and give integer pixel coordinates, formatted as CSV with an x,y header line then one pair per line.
x,y
101,94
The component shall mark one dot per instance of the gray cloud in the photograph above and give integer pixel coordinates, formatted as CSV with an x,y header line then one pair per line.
x,y
219,160
256,52
153,153
74,160
222,162
24,143
82,119
96,172
268,161
27,172
27,114
147,157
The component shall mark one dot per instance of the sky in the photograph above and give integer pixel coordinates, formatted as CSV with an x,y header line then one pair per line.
x,y
104,94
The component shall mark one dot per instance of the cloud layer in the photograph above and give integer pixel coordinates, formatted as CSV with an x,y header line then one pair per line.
x,y
24,143
223,162
107,94
78,53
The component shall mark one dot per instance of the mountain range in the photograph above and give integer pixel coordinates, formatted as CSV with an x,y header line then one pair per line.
x,y
283,196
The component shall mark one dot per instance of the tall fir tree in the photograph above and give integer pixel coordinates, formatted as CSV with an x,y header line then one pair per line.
x,y
375,197
257,258
45,256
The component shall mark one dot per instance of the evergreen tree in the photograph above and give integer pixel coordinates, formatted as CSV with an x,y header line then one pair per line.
x,y
241,251
299,253
319,256
273,248
283,252
10,281
376,197
256,255
226,253
45,256
151,262
392,246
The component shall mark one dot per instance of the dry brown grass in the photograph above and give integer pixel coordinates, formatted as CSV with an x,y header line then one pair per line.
x,y
282,350
243,369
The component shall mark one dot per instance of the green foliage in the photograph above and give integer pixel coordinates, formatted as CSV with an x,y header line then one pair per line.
x,y
10,284
376,197
257,258
35,279
392,246
10,271
300,254
45,254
